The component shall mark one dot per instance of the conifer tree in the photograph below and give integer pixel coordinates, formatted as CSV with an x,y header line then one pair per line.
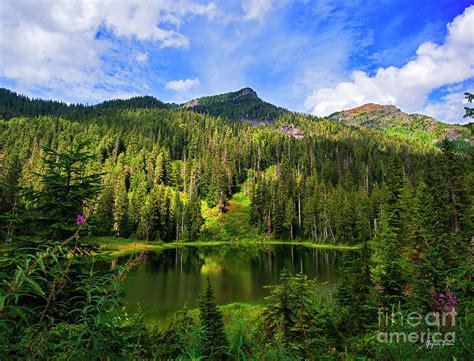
x,y
193,220
290,218
215,342
355,294
277,318
469,112
121,207
66,188
390,269
104,215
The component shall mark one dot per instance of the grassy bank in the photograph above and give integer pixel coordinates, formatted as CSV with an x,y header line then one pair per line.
x,y
115,247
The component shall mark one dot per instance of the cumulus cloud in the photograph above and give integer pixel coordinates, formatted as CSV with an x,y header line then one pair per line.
x,y
408,86
450,108
54,44
182,84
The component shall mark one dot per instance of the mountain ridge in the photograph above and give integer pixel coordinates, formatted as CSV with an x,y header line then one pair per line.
x,y
246,106
391,120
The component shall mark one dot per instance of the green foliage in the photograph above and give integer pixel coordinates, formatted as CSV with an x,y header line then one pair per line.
x,y
182,339
469,111
142,169
52,301
289,324
215,341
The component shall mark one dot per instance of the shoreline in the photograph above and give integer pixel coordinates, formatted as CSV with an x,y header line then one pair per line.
x,y
117,247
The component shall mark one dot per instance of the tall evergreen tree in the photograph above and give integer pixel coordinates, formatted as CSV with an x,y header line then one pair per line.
x,y
390,267
215,341
66,190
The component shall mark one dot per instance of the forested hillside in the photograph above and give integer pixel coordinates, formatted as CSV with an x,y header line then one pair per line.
x,y
14,105
329,186
240,105
121,169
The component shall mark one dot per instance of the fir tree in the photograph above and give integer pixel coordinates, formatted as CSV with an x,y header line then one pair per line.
x,y
215,342
390,272
66,189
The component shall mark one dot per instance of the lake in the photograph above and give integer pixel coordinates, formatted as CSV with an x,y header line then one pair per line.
x,y
167,280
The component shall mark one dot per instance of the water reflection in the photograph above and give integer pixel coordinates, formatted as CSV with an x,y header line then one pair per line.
x,y
168,279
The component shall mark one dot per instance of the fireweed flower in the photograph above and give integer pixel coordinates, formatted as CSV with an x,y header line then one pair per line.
x,y
445,302
80,219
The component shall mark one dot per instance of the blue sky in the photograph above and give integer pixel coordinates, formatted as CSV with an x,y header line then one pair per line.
x,y
311,56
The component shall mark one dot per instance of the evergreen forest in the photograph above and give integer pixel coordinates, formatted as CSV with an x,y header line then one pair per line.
x,y
81,184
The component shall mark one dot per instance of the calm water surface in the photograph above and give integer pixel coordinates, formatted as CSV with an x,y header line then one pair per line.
x,y
167,280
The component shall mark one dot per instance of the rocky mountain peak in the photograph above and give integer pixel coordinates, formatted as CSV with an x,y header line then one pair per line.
x,y
371,107
247,91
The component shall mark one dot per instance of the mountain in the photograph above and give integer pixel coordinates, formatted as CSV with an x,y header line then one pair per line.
x,y
244,105
139,102
15,105
390,120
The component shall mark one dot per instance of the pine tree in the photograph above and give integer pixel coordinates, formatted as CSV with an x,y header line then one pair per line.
x,y
290,218
278,211
390,269
104,216
303,333
66,190
193,220
178,217
469,112
355,294
120,207
215,342
277,318
289,322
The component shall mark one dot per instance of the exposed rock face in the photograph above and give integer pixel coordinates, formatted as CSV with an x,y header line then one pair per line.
x,y
191,104
256,122
292,131
247,91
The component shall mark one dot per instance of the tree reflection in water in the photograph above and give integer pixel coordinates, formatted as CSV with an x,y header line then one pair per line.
x,y
168,279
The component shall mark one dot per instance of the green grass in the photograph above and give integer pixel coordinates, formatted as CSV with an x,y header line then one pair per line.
x,y
233,314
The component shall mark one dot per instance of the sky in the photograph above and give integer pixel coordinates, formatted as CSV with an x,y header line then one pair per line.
x,y
316,57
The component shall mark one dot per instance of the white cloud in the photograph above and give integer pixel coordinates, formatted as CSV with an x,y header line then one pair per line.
x,y
182,84
142,58
408,86
256,9
53,43
450,109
